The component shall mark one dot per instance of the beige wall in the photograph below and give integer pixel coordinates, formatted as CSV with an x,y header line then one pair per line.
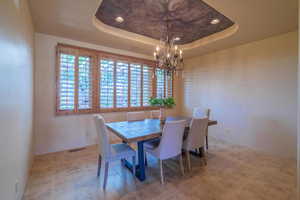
x,y
252,91
54,133
16,91
298,119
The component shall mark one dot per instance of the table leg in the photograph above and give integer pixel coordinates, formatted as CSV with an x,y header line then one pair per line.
x,y
140,169
201,150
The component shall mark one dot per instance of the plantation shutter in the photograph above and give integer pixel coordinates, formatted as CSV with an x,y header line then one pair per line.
x,y
147,84
107,78
122,85
169,85
160,83
84,83
135,85
66,82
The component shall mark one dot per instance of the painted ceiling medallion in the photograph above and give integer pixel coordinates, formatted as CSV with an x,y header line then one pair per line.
x,y
190,20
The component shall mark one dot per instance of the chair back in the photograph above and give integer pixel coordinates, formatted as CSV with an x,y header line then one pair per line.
x,y
136,116
199,112
155,114
197,133
104,147
171,141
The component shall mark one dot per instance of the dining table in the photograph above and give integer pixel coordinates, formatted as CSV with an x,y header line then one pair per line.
x,y
140,132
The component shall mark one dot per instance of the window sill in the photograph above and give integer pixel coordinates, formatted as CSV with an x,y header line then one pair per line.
x,y
106,110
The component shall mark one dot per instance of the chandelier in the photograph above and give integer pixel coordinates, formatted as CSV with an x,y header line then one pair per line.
x,y
167,54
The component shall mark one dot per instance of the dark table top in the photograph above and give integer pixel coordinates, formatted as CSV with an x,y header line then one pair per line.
x,y
135,131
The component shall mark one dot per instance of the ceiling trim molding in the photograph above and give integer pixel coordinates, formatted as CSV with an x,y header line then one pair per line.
x,y
211,38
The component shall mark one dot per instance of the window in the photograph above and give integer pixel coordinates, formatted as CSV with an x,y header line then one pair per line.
x,y
135,85
169,85
160,83
164,84
147,84
90,81
84,83
122,85
67,82
74,82
106,84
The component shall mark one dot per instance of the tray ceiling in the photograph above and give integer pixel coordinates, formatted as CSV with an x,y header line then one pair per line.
x,y
76,20
188,19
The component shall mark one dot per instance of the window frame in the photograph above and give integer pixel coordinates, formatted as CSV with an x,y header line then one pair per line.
x,y
95,73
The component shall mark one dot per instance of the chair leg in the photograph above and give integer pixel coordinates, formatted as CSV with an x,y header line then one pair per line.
x,y
200,151
206,142
102,171
105,175
99,165
146,160
204,155
188,157
181,164
161,172
133,165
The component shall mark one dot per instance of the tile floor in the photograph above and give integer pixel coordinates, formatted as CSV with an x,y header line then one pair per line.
x,y
232,173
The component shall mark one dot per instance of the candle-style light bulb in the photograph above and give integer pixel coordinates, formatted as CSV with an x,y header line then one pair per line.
x,y
154,54
176,47
168,55
157,48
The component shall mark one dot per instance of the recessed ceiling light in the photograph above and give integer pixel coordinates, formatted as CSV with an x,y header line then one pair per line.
x,y
119,19
215,21
177,38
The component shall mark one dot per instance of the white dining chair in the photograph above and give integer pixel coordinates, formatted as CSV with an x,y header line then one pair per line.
x,y
110,152
196,138
169,146
200,112
154,114
136,116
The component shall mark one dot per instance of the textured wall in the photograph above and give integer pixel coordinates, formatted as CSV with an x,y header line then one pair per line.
x,y
56,133
252,91
16,91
